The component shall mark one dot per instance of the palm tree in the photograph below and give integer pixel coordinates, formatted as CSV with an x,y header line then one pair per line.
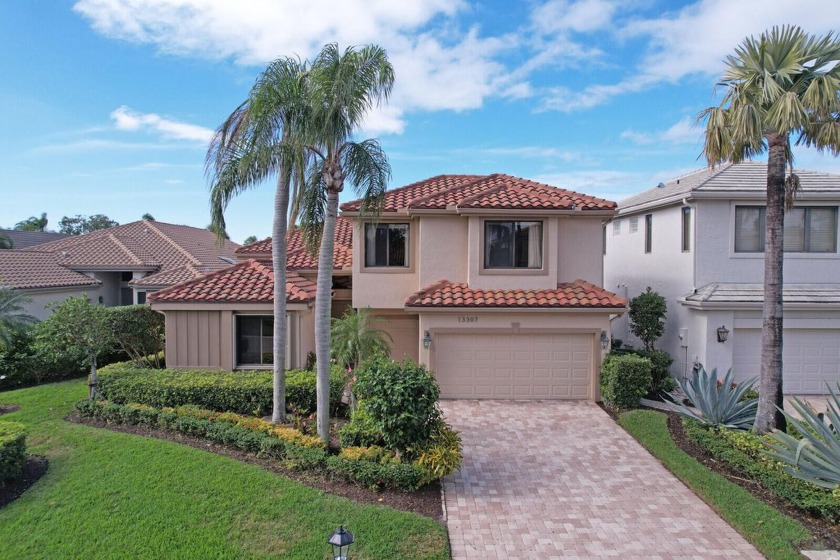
x,y
345,86
355,336
5,241
257,141
33,223
784,83
13,316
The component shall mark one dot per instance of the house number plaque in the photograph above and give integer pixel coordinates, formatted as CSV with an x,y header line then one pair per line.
x,y
467,319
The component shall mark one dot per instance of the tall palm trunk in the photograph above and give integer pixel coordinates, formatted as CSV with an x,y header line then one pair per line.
x,y
323,302
770,383
278,256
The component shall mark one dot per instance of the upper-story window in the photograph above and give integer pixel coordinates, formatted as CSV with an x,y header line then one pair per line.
x,y
634,224
386,245
810,229
648,233
510,244
617,227
686,229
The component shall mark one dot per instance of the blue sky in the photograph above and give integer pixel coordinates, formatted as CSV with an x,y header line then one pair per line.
x,y
108,104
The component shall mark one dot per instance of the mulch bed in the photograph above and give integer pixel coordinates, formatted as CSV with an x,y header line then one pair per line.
x,y
425,501
7,408
824,532
33,469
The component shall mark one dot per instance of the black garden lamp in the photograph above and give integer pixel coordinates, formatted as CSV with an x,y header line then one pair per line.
x,y
723,333
341,539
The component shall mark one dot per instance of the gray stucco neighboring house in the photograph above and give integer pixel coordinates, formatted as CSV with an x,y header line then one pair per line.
x,y
698,240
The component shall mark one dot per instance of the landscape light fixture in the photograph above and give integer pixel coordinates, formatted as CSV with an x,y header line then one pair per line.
x,y
605,341
427,339
723,334
341,539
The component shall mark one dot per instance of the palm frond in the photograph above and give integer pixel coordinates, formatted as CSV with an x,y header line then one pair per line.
x,y
366,167
13,315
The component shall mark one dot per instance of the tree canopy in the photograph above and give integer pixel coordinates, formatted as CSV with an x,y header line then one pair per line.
x,y
33,223
79,224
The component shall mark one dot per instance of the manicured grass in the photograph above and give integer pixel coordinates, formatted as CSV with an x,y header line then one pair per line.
x,y
114,495
774,534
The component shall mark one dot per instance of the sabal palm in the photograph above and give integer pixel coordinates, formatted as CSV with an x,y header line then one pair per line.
x,y
13,314
356,336
260,139
345,86
786,82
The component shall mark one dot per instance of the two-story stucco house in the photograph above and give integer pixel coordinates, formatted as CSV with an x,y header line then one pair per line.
x,y
493,281
698,240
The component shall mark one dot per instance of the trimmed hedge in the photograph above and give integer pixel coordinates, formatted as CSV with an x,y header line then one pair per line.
x,y
743,451
625,379
12,450
253,435
243,392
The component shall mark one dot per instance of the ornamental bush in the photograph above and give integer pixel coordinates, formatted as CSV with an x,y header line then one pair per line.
x,y
243,392
625,379
361,431
401,398
138,332
12,450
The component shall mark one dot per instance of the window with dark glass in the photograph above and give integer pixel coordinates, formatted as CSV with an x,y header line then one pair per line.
x,y
648,233
509,244
686,229
386,245
810,229
254,340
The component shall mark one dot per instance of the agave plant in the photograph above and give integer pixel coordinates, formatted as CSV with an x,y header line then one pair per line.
x,y
721,404
816,457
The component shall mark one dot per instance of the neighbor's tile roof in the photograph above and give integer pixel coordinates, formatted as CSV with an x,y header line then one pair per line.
x,y
492,192
749,177
577,294
298,257
246,282
27,269
735,293
24,239
168,251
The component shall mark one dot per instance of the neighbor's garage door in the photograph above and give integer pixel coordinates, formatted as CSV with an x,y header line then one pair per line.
x,y
811,358
514,366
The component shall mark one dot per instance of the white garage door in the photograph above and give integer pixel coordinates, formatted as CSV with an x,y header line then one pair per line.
x,y
514,366
811,358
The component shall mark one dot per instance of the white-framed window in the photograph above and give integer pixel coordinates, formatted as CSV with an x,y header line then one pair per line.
x,y
512,244
617,227
386,245
808,229
686,229
634,224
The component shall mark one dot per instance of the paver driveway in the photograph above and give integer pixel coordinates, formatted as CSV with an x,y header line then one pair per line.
x,y
547,479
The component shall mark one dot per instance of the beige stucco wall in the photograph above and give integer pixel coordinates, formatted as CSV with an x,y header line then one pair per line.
x,y
404,330
579,246
39,300
384,287
443,250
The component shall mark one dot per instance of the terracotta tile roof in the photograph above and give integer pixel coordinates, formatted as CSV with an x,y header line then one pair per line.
x,y
24,239
497,192
33,269
298,257
577,294
176,275
246,282
143,245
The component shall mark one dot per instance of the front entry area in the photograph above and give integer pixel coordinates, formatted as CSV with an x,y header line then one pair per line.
x,y
515,365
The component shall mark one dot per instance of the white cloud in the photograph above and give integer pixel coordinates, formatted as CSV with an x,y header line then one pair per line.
x,y
126,119
581,16
682,132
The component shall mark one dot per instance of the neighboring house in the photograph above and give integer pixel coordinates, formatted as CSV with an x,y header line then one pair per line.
x,y
698,240
24,239
114,266
493,281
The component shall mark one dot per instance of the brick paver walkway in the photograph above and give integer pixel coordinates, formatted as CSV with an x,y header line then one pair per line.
x,y
562,480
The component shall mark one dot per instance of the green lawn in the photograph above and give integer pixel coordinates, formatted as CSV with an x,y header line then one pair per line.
x,y
113,495
771,532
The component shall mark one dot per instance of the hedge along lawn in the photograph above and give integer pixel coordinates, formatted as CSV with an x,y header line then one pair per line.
x,y
113,495
774,534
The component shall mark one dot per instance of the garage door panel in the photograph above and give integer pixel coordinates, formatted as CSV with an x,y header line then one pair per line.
x,y
544,366
811,358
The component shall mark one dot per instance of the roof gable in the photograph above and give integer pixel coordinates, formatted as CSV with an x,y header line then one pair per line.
x,y
298,256
26,269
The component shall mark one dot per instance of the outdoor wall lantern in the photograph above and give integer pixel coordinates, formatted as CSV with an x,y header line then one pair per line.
x,y
427,339
341,539
723,333
605,341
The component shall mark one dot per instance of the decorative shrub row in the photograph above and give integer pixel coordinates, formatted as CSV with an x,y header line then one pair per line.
x,y
264,439
244,392
12,450
743,452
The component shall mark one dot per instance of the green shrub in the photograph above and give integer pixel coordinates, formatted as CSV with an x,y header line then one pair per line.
x,y
22,366
441,455
660,363
647,317
12,450
361,431
138,332
743,451
625,379
719,402
372,474
401,398
305,458
243,392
